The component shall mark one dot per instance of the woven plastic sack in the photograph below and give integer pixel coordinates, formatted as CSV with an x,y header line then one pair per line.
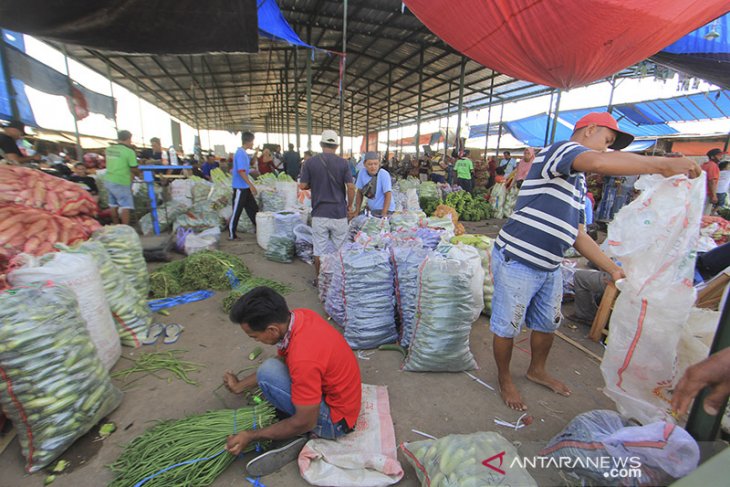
x,y
407,259
198,218
53,386
81,275
205,240
430,237
444,222
497,199
483,246
288,192
200,191
264,228
125,249
355,226
280,249
219,195
369,297
166,215
428,189
592,436
181,191
653,238
406,220
284,223
459,460
303,243
375,226
332,282
130,312
444,315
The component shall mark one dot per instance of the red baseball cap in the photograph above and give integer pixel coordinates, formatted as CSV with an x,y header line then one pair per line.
x,y
604,119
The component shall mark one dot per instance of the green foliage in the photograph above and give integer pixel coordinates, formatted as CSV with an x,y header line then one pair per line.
x,y
249,284
428,204
468,207
163,285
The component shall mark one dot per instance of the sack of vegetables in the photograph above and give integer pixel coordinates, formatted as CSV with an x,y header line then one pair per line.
x,y
52,384
125,249
81,274
131,314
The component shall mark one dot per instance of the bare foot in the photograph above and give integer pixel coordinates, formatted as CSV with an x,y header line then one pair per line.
x,y
510,395
544,379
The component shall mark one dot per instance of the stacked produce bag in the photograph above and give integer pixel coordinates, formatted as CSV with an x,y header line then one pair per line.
x,y
483,245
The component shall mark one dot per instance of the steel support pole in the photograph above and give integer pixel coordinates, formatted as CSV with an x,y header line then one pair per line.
x,y
309,89
461,102
367,122
79,151
296,97
448,117
489,117
342,79
420,95
499,132
555,117
111,90
287,121
352,125
549,114
390,82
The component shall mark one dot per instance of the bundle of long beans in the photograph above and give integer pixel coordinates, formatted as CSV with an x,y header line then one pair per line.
x,y
156,361
201,437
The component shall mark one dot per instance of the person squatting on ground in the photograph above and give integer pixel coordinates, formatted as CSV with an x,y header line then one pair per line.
x,y
549,217
314,382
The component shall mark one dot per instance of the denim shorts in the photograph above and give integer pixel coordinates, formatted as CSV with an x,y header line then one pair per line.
x,y
120,195
524,295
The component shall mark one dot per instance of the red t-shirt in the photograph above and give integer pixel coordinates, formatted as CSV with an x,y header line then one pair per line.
x,y
321,363
265,167
713,172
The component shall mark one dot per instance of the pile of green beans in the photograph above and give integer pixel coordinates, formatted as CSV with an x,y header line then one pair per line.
x,y
248,285
156,361
53,386
176,441
125,250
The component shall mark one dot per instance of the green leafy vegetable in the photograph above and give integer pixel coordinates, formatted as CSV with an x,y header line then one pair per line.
x,y
249,284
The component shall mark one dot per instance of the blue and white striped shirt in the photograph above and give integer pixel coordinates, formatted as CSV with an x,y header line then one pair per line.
x,y
550,206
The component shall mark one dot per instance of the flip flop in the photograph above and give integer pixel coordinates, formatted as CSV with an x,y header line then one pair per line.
x,y
153,334
172,333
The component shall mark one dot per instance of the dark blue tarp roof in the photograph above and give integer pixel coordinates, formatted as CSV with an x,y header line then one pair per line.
x,y
273,25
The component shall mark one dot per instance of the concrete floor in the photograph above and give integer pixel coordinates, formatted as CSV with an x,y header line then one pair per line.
x,y
436,403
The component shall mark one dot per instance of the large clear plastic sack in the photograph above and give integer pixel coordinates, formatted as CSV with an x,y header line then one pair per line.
x,y
82,276
280,249
593,436
303,243
444,315
407,259
430,237
271,200
264,228
220,195
130,311
428,189
375,226
369,291
54,387
181,191
483,246
458,460
166,215
443,222
125,249
285,222
497,197
653,238
332,290
288,192
200,191
406,220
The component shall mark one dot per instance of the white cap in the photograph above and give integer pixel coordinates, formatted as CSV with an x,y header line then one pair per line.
x,y
330,137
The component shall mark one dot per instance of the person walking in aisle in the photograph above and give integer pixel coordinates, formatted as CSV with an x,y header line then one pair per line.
x,y
244,192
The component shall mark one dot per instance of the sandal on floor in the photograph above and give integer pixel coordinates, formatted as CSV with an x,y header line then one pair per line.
x,y
172,333
153,334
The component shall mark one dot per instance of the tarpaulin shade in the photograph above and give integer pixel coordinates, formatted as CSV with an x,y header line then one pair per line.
x,y
25,112
273,25
139,26
562,43
696,147
481,130
704,53
639,146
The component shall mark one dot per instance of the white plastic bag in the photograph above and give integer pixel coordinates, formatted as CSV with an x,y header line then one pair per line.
x,y
205,240
79,273
364,458
696,339
181,190
264,228
288,192
653,238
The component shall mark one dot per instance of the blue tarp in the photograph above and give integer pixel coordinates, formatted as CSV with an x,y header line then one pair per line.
x,y
696,42
639,145
273,25
25,111
481,130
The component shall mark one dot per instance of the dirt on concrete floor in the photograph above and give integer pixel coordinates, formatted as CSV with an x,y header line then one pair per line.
x,y
436,403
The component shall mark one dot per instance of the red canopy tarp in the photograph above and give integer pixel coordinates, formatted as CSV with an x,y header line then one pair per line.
x,y
563,43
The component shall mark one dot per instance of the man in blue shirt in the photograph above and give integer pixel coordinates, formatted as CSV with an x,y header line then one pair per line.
x,y
244,191
549,217
209,164
381,202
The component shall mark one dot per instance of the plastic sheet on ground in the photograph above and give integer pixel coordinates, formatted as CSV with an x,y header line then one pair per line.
x,y
367,457
458,460
53,387
653,238
82,276
369,290
592,436
407,260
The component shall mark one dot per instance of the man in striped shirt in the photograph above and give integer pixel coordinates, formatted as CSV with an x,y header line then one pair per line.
x,y
549,217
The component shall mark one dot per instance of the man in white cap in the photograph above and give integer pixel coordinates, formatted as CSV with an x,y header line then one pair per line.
x,y
549,217
333,193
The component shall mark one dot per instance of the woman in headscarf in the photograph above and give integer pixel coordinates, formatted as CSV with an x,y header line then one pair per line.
x,y
266,162
523,167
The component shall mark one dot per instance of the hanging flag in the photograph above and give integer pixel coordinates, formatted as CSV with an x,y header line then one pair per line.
x,y
77,103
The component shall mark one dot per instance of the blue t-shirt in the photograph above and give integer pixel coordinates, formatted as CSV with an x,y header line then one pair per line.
x,y
384,185
241,162
549,208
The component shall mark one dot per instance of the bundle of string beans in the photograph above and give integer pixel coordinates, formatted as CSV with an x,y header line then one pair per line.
x,y
189,451
248,285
